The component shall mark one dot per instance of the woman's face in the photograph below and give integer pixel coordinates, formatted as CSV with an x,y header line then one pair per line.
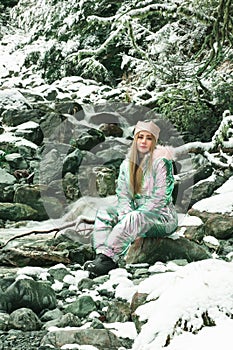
x,y
144,142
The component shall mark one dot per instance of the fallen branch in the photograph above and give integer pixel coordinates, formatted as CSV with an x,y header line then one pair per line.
x,y
55,229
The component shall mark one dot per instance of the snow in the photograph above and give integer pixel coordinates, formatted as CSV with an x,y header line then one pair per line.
x,y
226,187
221,203
188,220
119,329
178,300
78,347
211,242
8,137
214,338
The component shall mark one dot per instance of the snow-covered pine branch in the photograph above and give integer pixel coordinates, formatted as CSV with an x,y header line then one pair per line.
x,y
99,50
222,142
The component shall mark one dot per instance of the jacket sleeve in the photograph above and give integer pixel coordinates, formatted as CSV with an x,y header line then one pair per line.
x,y
162,188
124,195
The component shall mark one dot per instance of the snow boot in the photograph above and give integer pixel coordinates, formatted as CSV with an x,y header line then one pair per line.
x,y
100,266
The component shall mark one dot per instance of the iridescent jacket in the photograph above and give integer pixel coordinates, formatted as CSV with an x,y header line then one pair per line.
x,y
155,200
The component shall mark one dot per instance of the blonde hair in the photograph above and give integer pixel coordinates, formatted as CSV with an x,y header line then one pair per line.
x,y
135,167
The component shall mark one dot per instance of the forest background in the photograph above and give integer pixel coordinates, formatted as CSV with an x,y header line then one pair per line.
x,y
174,57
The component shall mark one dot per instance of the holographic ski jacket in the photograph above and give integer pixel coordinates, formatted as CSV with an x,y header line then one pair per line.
x,y
148,214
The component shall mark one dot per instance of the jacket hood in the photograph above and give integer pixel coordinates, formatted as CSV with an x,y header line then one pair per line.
x,y
167,152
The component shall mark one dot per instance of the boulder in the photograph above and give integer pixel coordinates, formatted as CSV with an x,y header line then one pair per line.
x,y
220,226
24,319
17,212
111,130
46,204
14,117
4,318
50,167
149,250
82,307
31,196
118,312
88,140
72,161
204,188
30,131
9,99
7,182
27,293
105,179
13,144
99,338
26,255
216,212
16,161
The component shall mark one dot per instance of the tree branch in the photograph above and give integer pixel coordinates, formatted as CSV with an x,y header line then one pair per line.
x,y
75,224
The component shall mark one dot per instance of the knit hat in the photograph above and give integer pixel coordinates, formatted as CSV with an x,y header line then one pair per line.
x,y
147,126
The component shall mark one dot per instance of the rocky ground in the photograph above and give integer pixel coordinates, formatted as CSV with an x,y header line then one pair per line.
x,y
18,340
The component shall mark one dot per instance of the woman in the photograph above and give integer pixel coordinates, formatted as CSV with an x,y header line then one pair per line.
x,y
145,207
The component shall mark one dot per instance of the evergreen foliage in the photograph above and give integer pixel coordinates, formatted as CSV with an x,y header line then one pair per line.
x,y
173,56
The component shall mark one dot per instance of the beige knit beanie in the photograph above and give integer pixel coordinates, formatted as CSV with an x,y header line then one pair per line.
x,y
147,126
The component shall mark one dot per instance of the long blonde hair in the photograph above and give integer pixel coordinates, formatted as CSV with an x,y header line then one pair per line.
x,y
136,163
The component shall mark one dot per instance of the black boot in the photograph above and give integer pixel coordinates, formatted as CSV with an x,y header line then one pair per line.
x,y
100,266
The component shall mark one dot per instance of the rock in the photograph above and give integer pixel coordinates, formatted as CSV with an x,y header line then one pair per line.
x,y
58,272
149,250
9,98
219,226
105,179
27,293
16,161
194,233
47,205
4,318
30,131
216,213
70,185
86,283
220,204
204,188
72,162
31,196
118,312
69,107
226,249
50,167
13,144
14,117
137,300
69,320
80,254
88,140
83,306
17,212
52,126
111,130
188,179
53,206
32,256
99,338
6,185
111,156
24,319
51,315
